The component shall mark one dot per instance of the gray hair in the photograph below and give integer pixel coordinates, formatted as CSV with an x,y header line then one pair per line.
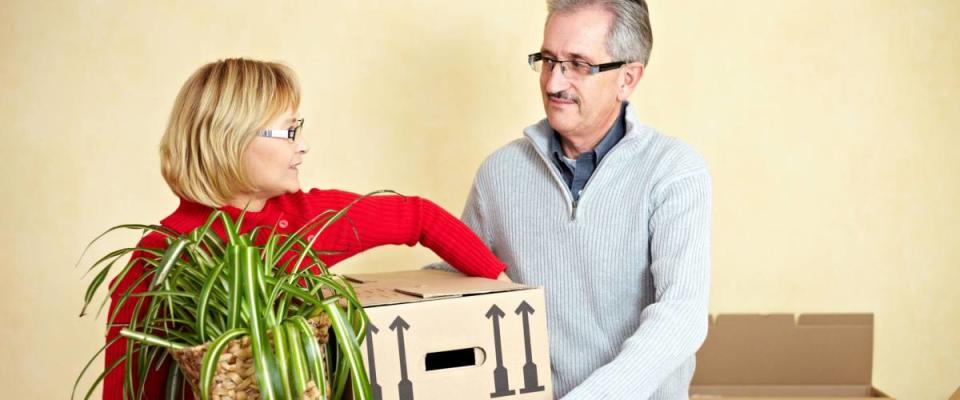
x,y
630,38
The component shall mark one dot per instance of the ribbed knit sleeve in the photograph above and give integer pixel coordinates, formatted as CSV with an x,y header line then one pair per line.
x,y
472,217
674,326
395,219
456,244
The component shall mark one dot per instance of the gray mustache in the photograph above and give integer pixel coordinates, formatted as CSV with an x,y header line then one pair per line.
x,y
564,95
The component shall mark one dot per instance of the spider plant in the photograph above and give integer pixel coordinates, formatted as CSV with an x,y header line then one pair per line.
x,y
207,290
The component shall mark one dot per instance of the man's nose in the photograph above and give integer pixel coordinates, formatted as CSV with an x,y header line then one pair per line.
x,y
556,80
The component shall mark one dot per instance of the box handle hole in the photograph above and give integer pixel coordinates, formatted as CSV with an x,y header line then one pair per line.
x,y
468,357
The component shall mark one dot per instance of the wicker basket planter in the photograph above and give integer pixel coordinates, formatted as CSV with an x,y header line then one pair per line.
x,y
236,378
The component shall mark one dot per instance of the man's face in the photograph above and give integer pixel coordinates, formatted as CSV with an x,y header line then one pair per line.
x,y
579,105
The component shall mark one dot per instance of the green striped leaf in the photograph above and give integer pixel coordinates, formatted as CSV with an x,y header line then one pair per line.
x,y
261,351
349,347
298,363
208,366
170,258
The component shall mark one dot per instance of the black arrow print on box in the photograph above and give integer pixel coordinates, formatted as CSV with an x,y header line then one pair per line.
x,y
501,383
530,383
375,388
405,387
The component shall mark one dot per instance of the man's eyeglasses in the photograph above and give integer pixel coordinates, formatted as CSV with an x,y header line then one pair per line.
x,y
290,133
543,64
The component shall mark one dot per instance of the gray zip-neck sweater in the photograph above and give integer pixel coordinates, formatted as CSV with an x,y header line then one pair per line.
x,y
626,269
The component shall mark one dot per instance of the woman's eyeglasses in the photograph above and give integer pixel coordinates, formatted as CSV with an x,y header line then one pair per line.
x,y
290,133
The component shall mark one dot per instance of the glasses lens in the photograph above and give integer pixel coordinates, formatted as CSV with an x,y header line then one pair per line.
x,y
537,65
579,68
292,132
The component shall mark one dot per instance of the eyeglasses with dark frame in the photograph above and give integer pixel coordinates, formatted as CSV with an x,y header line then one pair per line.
x,y
290,133
580,68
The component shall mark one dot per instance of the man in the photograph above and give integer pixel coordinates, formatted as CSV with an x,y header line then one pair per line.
x,y
608,215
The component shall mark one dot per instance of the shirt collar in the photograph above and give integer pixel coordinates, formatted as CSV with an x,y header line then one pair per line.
x,y
610,139
614,135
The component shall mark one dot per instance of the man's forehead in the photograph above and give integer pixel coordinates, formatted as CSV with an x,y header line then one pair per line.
x,y
572,53
575,49
580,33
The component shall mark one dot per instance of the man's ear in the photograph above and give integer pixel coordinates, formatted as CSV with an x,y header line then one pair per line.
x,y
630,75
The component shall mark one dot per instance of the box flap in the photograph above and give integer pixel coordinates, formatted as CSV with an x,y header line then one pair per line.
x,y
779,349
780,391
457,286
414,275
420,285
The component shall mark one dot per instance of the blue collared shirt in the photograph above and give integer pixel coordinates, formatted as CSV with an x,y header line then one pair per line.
x,y
577,172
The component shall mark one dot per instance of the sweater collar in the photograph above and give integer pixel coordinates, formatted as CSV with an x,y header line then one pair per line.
x,y
610,139
189,215
541,134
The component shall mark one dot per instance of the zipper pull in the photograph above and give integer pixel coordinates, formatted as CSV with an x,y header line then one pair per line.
x,y
573,214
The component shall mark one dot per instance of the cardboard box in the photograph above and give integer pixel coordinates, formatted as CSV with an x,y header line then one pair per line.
x,y
441,335
779,356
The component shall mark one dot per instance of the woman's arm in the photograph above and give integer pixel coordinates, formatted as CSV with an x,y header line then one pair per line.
x,y
395,219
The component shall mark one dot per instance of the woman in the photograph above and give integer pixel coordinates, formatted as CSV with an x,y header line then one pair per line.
x,y
233,143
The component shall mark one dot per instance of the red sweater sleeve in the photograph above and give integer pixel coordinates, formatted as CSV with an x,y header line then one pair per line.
x,y
113,382
395,219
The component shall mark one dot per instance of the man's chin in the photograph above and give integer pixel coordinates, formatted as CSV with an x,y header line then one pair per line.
x,y
560,122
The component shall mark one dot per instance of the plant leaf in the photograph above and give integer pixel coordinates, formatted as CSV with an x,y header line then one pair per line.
x,y
170,258
261,352
349,347
208,366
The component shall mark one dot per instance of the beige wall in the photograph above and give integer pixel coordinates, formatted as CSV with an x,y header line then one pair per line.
x,y
830,127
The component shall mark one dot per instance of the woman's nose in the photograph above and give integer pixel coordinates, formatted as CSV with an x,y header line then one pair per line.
x,y
302,146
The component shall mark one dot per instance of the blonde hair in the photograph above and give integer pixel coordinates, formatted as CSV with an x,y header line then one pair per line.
x,y
215,116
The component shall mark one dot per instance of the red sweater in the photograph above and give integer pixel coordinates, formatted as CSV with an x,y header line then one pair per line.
x,y
377,220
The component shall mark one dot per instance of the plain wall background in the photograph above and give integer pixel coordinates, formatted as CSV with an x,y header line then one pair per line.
x,y
830,128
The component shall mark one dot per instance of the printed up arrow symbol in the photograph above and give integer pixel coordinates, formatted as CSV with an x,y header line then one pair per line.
x,y
375,388
530,382
405,387
501,383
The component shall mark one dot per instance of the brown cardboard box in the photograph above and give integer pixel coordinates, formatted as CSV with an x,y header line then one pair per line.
x,y
441,335
779,356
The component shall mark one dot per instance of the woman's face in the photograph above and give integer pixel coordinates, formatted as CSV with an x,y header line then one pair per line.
x,y
272,163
